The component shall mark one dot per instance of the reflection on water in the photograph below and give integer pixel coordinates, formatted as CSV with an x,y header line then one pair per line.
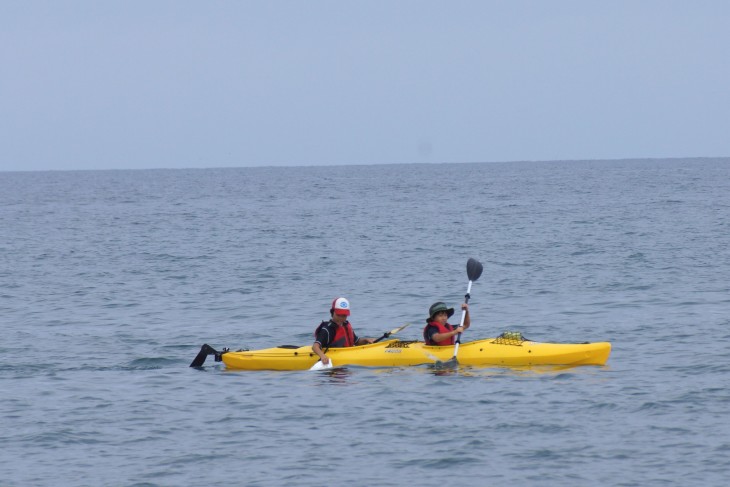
x,y
344,375
335,375
449,367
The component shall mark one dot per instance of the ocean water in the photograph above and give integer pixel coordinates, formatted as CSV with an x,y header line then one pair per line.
x,y
110,281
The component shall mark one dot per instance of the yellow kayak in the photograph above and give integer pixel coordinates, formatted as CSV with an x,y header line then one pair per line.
x,y
498,351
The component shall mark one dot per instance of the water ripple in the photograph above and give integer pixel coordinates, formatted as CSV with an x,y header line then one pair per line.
x,y
112,280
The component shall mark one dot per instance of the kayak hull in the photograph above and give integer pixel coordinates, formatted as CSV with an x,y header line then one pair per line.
x,y
396,353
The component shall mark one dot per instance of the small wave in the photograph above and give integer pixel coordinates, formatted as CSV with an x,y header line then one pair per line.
x,y
149,363
654,406
238,291
542,454
64,437
587,252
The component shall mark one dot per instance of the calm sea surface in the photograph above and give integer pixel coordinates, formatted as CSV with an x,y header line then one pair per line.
x,y
110,281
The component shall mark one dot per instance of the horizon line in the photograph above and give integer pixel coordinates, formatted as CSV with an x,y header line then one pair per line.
x,y
290,166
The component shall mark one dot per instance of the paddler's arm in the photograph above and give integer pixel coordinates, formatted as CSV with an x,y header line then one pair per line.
x,y
437,337
364,341
317,348
467,320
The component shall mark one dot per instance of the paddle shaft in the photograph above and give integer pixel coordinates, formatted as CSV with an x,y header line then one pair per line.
x,y
463,317
385,335
392,332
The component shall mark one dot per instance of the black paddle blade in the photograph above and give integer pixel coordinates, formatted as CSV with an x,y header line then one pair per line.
x,y
473,269
205,350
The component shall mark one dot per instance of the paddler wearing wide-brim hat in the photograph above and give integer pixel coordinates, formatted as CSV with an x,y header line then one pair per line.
x,y
438,330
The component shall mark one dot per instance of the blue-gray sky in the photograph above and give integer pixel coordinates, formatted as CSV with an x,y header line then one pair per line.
x,y
148,84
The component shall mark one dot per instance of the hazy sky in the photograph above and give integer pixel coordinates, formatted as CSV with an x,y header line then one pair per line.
x,y
206,83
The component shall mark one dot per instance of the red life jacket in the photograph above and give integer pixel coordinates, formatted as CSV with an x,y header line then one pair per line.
x,y
344,336
439,329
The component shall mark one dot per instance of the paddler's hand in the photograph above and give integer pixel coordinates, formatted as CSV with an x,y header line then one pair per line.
x,y
458,330
467,318
325,359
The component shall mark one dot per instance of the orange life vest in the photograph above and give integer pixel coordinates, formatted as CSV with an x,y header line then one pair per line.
x,y
439,329
344,336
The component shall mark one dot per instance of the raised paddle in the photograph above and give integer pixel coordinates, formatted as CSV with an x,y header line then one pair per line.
x,y
318,365
473,271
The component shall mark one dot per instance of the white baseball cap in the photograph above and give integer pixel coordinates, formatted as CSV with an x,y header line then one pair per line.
x,y
340,306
